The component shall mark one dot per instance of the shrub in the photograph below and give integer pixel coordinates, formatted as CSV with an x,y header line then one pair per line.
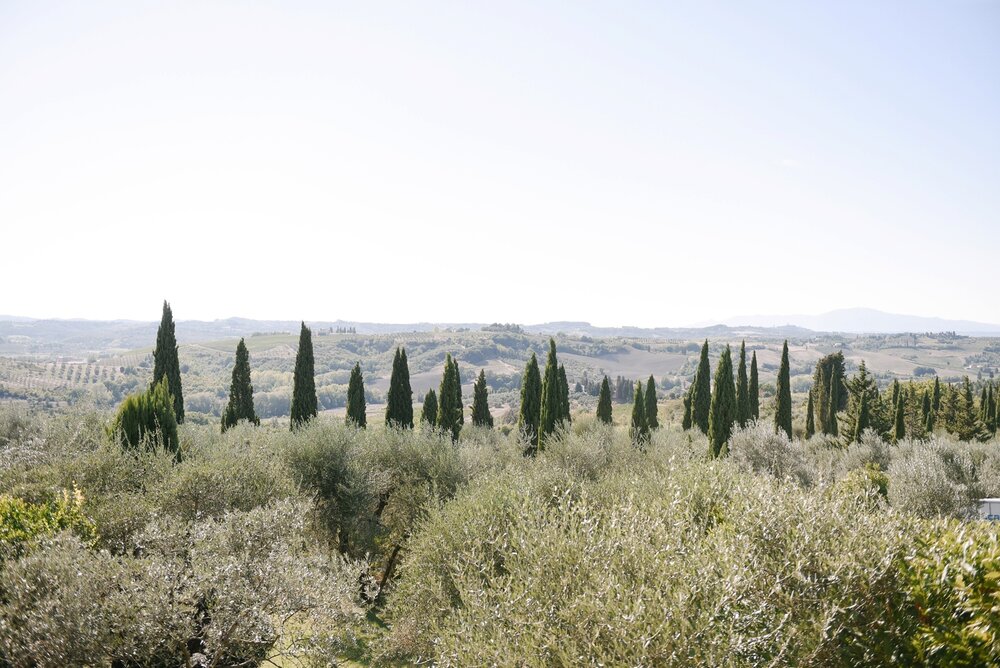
x,y
932,480
757,447
22,522
147,419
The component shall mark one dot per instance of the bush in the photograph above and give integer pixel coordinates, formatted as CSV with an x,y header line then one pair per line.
x,y
696,565
758,448
22,522
933,479
147,419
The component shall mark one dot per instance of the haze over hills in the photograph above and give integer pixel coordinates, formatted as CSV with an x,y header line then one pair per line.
x,y
866,321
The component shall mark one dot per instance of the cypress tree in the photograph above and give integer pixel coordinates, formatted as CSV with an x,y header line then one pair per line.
x,y
356,410
652,421
899,425
783,406
429,412
701,401
723,409
459,405
165,362
895,393
686,418
639,428
810,419
399,400
925,412
551,403
531,400
742,389
481,416
304,403
991,411
240,406
754,389
936,398
563,396
833,392
449,405
604,402
864,418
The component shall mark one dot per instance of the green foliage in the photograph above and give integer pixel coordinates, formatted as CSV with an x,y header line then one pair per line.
x,y
399,400
899,426
604,402
551,413
356,409
754,389
810,418
449,417
862,422
652,421
165,362
783,405
830,390
240,406
529,415
564,414
147,419
22,522
429,411
743,414
723,409
481,416
639,426
701,397
304,405
686,422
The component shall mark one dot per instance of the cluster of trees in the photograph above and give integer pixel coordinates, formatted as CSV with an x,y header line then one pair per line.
x,y
544,400
713,406
732,401
913,410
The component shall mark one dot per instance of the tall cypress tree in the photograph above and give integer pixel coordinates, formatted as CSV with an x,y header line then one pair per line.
x,y
449,404
754,389
810,418
936,398
165,362
399,400
563,396
864,419
639,428
304,404
652,421
926,413
356,409
531,404
833,393
701,401
459,404
899,417
551,403
742,389
723,409
481,416
686,422
783,406
604,402
429,412
240,406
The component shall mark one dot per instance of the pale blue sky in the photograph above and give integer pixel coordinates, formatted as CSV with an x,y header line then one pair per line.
x,y
640,163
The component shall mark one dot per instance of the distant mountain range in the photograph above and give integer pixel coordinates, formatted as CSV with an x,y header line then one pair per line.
x,y
132,334
866,321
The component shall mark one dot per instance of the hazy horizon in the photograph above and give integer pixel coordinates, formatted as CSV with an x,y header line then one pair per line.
x,y
396,162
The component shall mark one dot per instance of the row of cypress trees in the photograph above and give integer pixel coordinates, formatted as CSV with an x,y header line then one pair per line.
x,y
732,401
544,400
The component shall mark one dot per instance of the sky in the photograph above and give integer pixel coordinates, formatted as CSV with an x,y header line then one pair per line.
x,y
649,164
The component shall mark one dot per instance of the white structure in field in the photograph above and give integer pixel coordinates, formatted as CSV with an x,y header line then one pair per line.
x,y
989,509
